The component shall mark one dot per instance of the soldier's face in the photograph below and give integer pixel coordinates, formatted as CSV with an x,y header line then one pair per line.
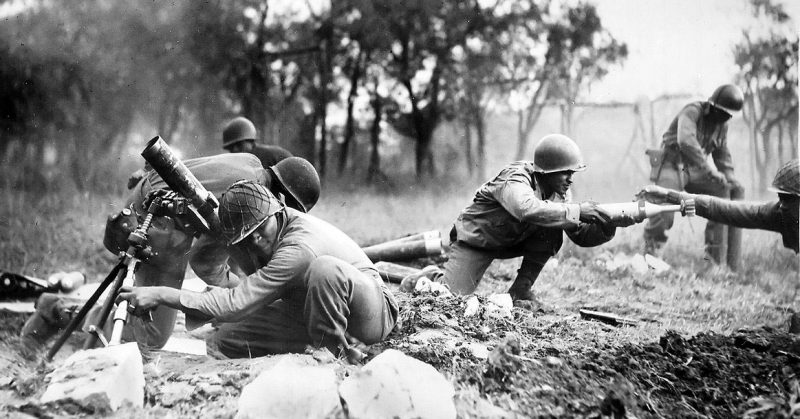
x,y
261,243
717,115
559,182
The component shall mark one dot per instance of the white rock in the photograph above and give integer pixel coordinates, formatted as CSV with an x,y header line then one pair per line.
x,y
394,385
639,264
423,285
113,375
290,389
499,306
478,350
658,265
472,306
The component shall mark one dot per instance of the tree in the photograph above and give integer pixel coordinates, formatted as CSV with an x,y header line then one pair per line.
x,y
767,64
551,57
580,51
424,34
79,76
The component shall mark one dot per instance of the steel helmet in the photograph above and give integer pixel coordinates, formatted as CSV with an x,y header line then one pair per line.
x,y
300,181
557,153
787,180
244,207
237,130
727,97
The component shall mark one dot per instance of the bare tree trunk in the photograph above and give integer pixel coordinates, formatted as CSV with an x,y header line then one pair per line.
x,y
522,136
468,159
322,107
763,170
480,128
349,128
374,168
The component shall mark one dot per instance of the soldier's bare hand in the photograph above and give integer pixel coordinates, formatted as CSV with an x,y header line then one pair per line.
x,y
717,177
591,213
653,193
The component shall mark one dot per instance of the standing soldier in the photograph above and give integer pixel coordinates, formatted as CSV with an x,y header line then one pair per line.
x,y
699,129
239,136
525,211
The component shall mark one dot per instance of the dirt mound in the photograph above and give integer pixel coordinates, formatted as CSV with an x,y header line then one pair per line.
x,y
708,374
538,364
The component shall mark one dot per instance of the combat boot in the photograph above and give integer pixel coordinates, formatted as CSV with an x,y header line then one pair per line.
x,y
522,296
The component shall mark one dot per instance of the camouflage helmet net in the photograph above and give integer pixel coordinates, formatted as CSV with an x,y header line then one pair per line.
x,y
244,207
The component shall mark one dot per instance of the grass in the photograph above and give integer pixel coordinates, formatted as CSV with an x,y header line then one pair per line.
x,y
45,234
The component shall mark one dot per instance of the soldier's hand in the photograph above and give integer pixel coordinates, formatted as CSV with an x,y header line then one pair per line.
x,y
734,185
717,177
141,300
134,178
653,193
625,221
591,213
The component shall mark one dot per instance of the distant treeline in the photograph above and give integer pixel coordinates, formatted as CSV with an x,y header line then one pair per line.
x,y
84,83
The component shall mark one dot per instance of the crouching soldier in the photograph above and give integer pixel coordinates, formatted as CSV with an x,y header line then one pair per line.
x,y
172,242
308,283
524,211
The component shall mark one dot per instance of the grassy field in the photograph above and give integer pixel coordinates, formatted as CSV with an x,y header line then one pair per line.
x,y
42,235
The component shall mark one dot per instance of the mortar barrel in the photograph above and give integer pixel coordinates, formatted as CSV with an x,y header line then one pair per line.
x,y
425,235
394,273
404,250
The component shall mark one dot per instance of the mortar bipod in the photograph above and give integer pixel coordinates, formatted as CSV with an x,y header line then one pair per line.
x,y
138,251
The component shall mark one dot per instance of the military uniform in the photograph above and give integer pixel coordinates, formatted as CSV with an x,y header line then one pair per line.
x,y
317,285
688,141
171,244
269,155
772,216
510,217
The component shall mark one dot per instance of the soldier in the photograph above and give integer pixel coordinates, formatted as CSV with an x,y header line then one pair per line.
x,y
239,136
172,243
308,283
779,216
524,211
699,129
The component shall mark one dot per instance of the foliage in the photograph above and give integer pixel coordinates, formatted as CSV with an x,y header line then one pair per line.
x,y
767,62
90,78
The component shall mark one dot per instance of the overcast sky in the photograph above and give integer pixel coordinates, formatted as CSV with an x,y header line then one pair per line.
x,y
675,46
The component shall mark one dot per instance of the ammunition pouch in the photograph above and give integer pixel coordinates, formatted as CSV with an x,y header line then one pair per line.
x,y
656,156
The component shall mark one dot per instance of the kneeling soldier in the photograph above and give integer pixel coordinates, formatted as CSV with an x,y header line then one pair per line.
x,y
308,283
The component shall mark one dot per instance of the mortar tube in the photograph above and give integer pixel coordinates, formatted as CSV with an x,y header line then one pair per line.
x,y
425,235
404,250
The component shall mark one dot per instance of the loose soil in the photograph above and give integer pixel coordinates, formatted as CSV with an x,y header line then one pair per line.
x,y
547,363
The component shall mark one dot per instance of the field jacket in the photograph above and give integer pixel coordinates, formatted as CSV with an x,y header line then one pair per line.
x,y
302,239
511,209
691,138
772,216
